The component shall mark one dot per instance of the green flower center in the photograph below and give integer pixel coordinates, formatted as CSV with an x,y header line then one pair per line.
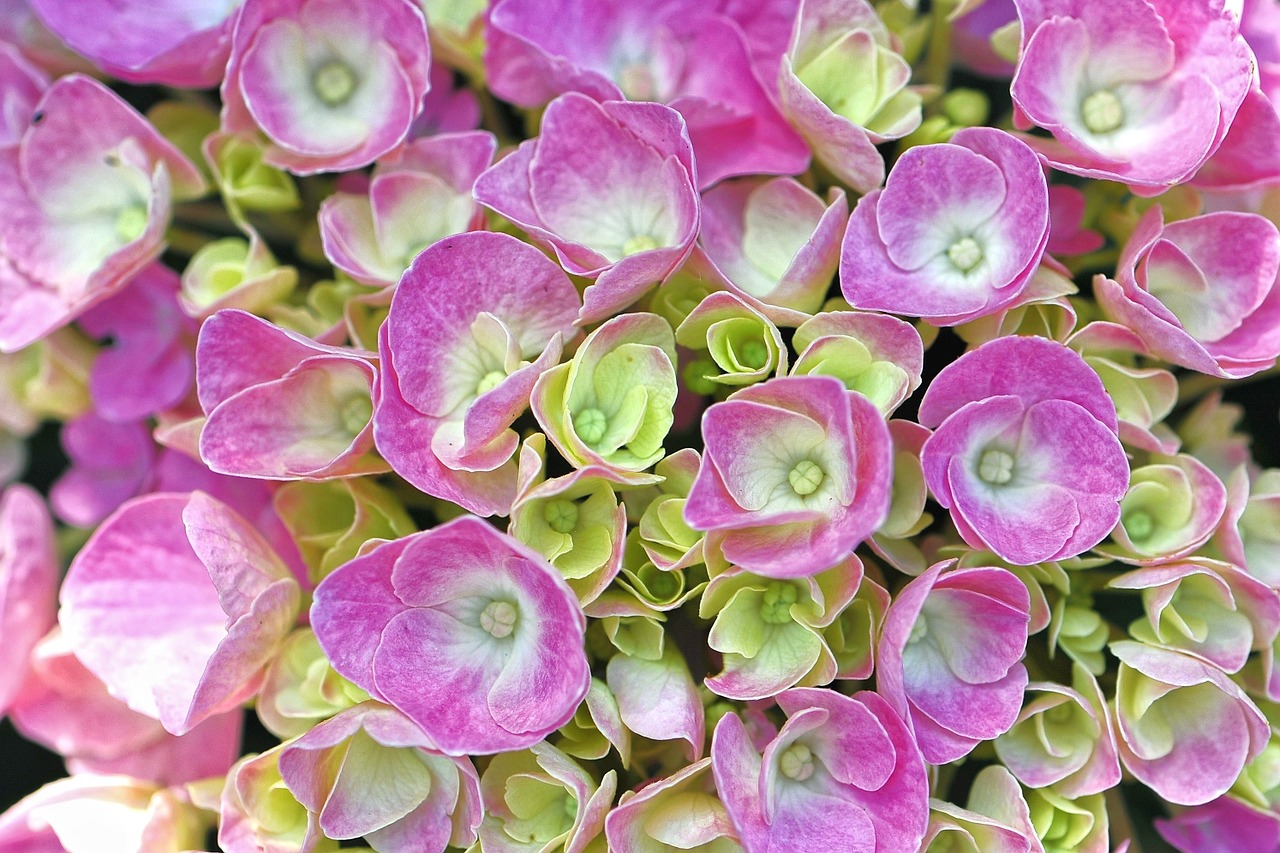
x,y
356,412
561,515
964,254
1139,525
754,355
805,477
334,82
489,381
590,425
639,243
499,618
775,604
1102,111
797,762
995,467
131,221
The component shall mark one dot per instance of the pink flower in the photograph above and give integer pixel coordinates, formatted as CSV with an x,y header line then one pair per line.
x,y
371,772
416,198
774,243
1137,91
84,201
148,366
1025,451
1201,292
844,88
956,233
473,324
181,43
28,584
470,634
216,591
843,773
110,463
678,53
1186,729
950,657
334,84
610,187
1224,825
796,473
296,410
68,709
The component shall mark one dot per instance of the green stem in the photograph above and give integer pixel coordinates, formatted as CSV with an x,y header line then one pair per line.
x,y
937,66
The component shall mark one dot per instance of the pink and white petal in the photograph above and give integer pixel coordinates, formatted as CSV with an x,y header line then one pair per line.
x,y
296,426
29,577
350,608
150,651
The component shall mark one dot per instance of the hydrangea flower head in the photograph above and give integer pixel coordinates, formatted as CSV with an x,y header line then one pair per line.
x,y
796,473
470,634
1025,451
956,234
334,84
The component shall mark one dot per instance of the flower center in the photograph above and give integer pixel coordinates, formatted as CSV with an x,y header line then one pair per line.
x,y
797,762
499,618
965,254
639,243
334,82
1102,111
561,515
489,381
753,355
995,467
590,425
806,477
1139,525
775,604
356,412
131,221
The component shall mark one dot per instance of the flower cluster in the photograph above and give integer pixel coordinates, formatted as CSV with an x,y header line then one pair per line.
x,y
524,426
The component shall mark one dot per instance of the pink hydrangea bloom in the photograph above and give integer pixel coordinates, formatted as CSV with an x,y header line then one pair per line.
x,y
68,709
1137,91
227,602
678,52
1224,825
796,473
956,233
843,773
417,197
681,811
171,42
371,772
334,84
84,201
449,107
469,633
102,814
1201,292
148,366
110,463
296,410
950,657
610,187
1186,729
1025,451
28,584
474,323
843,87
774,243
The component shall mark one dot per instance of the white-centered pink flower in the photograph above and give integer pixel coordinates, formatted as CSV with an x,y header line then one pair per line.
x,y
470,634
